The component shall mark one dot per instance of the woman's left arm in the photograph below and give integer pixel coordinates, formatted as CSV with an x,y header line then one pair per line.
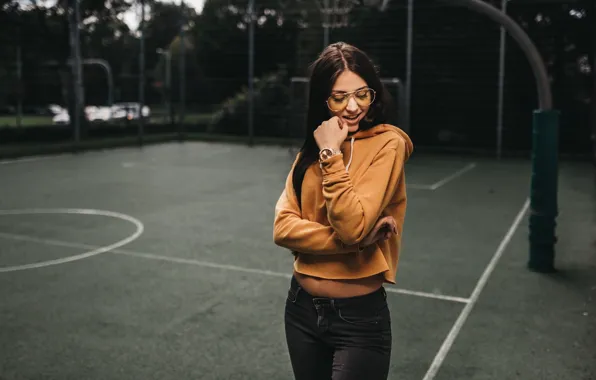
x,y
353,210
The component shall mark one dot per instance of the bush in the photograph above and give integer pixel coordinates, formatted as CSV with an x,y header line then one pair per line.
x,y
271,105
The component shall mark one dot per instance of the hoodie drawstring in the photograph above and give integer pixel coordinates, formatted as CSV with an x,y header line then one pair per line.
x,y
351,153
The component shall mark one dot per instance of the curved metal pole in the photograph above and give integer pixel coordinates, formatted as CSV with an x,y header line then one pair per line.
x,y
525,43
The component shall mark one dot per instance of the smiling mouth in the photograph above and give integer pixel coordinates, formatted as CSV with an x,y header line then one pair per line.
x,y
351,117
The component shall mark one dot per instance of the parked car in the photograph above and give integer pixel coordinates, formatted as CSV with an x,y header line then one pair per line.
x,y
119,112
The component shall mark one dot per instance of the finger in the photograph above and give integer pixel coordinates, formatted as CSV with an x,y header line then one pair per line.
x,y
382,223
392,224
337,121
394,227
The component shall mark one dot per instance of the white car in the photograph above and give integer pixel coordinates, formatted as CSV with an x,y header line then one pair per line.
x,y
118,112
129,111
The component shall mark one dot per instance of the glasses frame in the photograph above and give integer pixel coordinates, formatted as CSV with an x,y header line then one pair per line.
x,y
351,94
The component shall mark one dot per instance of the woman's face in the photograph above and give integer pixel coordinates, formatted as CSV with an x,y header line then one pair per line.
x,y
350,99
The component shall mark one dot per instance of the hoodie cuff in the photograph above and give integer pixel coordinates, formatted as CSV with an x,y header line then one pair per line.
x,y
333,164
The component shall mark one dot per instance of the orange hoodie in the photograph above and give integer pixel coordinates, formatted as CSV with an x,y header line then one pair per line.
x,y
342,199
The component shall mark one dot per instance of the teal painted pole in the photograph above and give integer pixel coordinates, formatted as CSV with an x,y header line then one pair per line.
x,y
544,187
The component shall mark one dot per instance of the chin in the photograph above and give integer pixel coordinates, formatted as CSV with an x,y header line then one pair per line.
x,y
353,128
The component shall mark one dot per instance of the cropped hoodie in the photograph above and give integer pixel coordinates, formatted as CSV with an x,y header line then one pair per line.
x,y
342,199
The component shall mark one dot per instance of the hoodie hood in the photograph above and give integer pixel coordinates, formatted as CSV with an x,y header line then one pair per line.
x,y
384,128
378,130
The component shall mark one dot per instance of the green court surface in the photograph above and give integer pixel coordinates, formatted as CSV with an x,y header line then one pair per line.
x,y
158,263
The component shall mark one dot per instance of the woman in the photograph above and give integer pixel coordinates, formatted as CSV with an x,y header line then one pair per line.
x,y
341,214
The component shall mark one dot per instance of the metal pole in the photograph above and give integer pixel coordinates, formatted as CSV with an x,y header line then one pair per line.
x,y
20,85
168,83
76,68
525,43
543,190
501,85
326,23
106,66
592,15
182,69
401,106
142,74
251,56
409,48
168,55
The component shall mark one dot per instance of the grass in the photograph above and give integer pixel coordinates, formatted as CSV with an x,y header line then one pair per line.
x,y
34,121
26,121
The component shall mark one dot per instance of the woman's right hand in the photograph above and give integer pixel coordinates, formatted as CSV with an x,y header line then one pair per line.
x,y
381,231
330,134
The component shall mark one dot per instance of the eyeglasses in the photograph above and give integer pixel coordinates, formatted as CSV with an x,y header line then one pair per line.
x,y
339,101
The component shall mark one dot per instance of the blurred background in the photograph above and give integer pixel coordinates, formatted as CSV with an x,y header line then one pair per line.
x,y
149,70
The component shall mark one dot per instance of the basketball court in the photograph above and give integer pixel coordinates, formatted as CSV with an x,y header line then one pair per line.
x,y
158,263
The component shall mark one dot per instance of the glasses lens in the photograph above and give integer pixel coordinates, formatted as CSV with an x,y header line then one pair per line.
x,y
338,102
364,97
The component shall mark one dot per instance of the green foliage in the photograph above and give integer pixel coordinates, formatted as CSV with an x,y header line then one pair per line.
x,y
271,100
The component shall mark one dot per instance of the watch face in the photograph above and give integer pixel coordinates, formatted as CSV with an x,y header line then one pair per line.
x,y
326,153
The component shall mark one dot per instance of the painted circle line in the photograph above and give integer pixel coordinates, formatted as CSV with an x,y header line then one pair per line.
x,y
77,211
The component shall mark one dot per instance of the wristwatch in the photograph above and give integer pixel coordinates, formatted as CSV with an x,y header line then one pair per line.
x,y
326,153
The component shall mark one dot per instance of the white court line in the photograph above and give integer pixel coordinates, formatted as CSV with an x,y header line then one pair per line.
x,y
32,159
453,176
418,187
93,250
202,263
463,316
207,264
427,295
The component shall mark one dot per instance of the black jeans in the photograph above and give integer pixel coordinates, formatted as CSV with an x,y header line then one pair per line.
x,y
338,338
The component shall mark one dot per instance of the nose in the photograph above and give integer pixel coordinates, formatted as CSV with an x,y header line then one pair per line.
x,y
352,105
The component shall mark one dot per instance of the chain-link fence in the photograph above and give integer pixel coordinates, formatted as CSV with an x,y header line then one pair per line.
x,y
456,83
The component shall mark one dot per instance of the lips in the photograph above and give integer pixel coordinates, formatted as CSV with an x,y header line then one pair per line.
x,y
351,118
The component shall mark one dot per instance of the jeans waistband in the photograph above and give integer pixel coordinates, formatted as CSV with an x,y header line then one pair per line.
x,y
374,298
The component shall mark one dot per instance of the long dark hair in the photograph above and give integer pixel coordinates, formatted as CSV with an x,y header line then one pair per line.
x,y
324,71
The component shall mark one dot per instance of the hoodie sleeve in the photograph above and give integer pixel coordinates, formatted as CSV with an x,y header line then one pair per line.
x,y
354,208
300,235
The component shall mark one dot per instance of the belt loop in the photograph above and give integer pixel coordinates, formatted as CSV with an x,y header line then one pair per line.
x,y
384,292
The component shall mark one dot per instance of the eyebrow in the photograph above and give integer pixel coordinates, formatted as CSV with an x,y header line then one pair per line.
x,y
344,91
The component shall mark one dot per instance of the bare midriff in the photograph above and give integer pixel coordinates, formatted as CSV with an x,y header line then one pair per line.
x,y
321,287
